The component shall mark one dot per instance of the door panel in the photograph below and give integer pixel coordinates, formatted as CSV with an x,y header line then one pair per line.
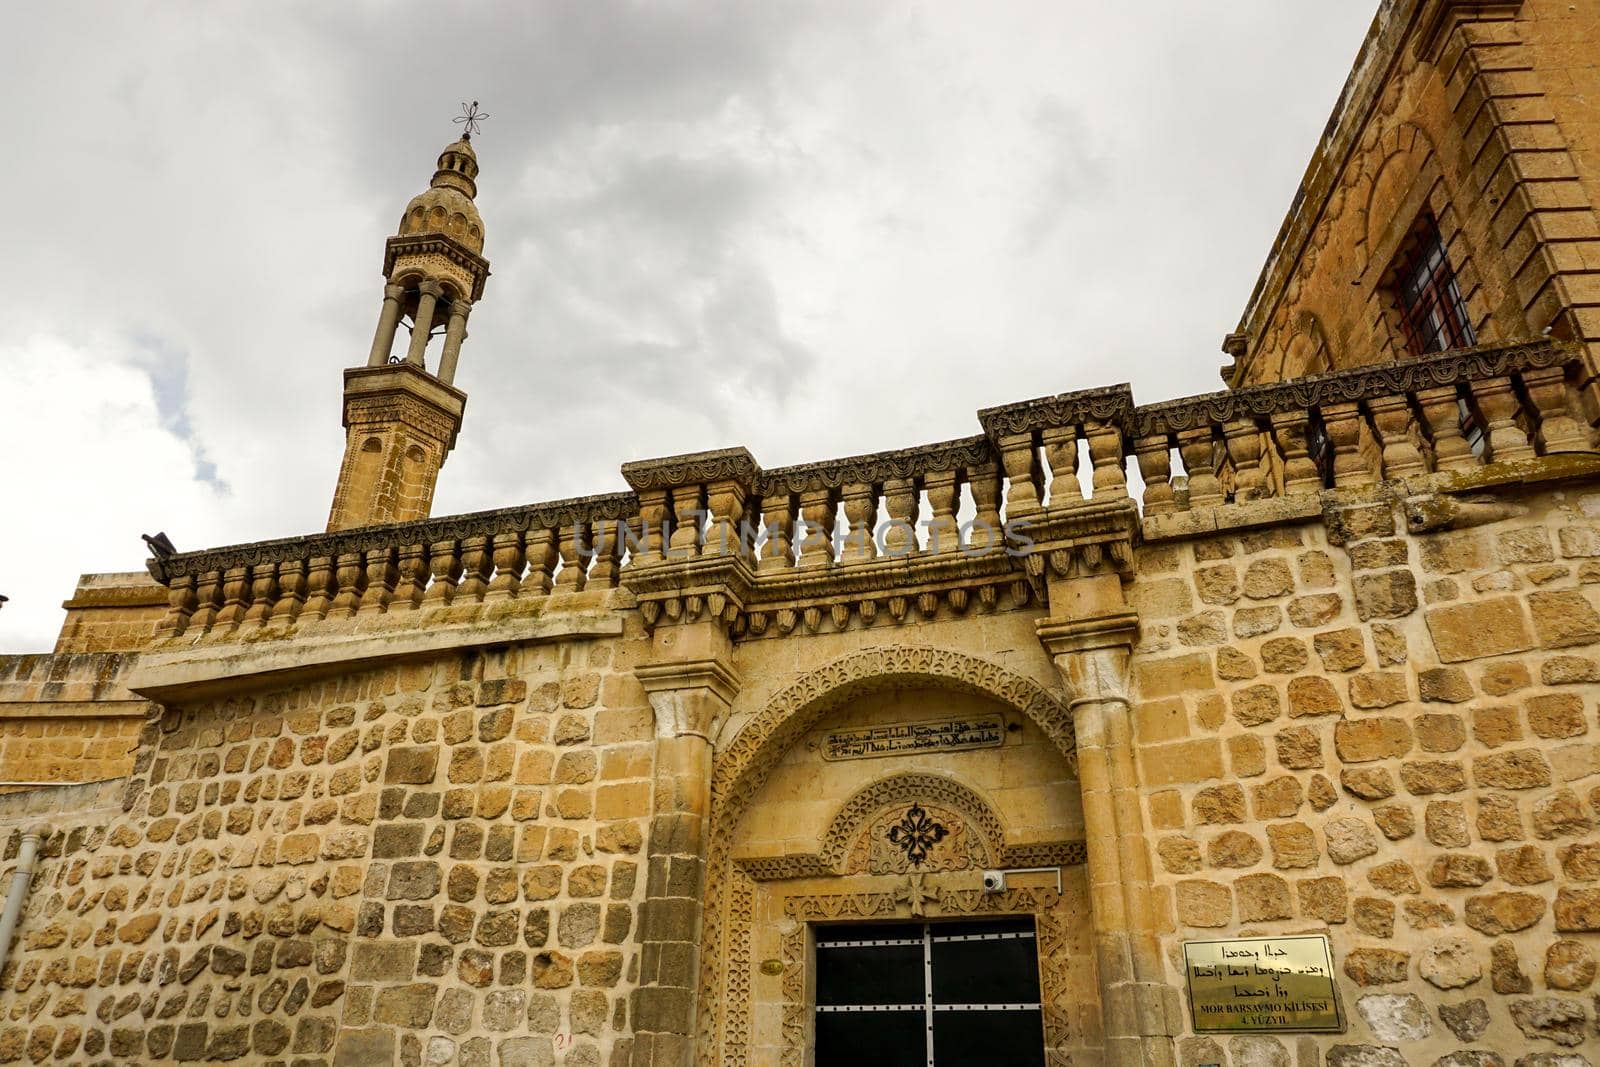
x,y
949,993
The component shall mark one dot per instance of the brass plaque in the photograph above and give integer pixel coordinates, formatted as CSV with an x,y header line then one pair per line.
x,y
1262,983
934,735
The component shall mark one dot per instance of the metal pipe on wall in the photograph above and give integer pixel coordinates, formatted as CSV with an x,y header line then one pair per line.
x,y
17,892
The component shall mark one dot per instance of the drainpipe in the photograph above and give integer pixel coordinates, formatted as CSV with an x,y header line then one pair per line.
x,y
21,879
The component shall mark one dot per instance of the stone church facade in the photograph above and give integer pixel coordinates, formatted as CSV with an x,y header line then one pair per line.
x,y
618,779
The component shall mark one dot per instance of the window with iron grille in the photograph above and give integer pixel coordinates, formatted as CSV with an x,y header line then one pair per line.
x,y
1432,311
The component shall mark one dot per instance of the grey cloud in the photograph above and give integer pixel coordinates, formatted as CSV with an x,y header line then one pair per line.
x,y
814,229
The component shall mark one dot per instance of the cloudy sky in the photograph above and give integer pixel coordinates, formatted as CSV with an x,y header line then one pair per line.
x,y
813,229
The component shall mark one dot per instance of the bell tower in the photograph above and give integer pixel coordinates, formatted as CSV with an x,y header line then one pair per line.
x,y
402,410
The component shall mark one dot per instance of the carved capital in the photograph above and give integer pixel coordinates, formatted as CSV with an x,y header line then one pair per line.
x,y
1092,655
690,699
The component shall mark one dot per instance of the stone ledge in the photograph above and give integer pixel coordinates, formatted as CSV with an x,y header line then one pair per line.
x,y
73,709
1268,511
207,670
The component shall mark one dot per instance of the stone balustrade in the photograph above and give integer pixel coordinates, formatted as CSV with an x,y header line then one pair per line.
x,y
713,530
1449,412
462,560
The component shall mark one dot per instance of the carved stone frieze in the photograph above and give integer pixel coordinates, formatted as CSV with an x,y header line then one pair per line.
x,y
973,835
878,467
468,262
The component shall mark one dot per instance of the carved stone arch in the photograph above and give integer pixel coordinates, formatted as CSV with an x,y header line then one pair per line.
x,y
1388,174
740,770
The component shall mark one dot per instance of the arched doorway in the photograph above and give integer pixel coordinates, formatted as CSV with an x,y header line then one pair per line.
x,y
883,795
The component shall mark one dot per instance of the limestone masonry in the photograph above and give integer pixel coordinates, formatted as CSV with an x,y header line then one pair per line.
x,y
584,782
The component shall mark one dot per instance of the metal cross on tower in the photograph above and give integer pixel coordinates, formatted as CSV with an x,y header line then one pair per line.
x,y
470,118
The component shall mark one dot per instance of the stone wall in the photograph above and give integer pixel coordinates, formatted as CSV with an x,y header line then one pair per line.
x,y
68,718
1392,740
434,863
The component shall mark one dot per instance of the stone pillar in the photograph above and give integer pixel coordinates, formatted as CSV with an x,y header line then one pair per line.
x,y
1140,1010
691,698
454,334
388,322
426,302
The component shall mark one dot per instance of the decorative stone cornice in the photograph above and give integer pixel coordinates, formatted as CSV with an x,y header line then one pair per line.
x,y
1109,404
1341,387
693,468
425,244
877,467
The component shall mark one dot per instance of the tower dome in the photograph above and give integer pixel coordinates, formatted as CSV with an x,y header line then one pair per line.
x,y
446,207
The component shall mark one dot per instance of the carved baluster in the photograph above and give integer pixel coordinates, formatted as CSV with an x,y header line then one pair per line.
x,y
1020,458
986,533
652,521
319,587
381,577
778,552
235,591
263,591
1343,423
444,562
819,512
689,512
291,591
477,559
181,603
208,600
349,572
542,555
860,503
1155,467
1395,425
1441,408
1242,437
1060,445
575,540
944,493
413,571
1198,450
1559,430
509,562
725,501
900,501
1289,430
607,550
1497,404
1105,453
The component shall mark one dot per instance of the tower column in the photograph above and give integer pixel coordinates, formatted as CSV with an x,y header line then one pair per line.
x,y
454,334
431,291
388,322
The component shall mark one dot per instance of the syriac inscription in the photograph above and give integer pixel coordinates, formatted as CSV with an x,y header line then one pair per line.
x,y
1262,984
942,735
